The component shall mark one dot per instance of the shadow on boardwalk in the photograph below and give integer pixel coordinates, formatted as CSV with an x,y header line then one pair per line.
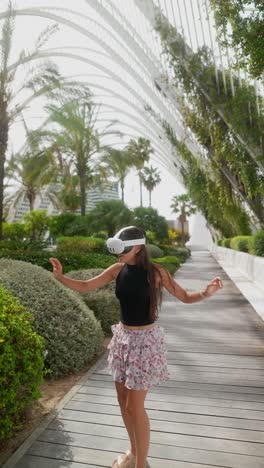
x,y
209,414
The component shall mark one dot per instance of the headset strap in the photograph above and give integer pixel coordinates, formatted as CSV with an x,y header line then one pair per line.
x,y
134,242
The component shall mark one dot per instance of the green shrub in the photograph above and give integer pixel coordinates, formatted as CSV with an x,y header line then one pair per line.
x,y
170,263
226,243
100,235
219,242
23,245
242,243
59,223
154,251
258,243
182,252
102,301
72,334
14,231
82,245
68,260
21,363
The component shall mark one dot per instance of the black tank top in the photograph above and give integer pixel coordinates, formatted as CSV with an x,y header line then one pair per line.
x,y
132,290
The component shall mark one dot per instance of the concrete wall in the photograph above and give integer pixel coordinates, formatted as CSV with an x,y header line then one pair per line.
x,y
249,265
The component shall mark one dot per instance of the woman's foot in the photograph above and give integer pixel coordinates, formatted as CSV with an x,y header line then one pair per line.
x,y
126,460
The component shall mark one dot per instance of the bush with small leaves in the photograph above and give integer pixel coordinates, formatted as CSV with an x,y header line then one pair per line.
x,y
73,336
181,252
102,301
70,261
21,363
226,243
154,251
258,243
81,245
242,243
170,263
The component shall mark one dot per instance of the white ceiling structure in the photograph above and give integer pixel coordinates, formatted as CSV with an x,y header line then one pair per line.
x,y
112,46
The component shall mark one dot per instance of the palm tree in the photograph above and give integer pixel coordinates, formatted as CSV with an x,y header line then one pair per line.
x,y
150,178
139,152
76,139
42,79
118,164
68,195
183,205
34,169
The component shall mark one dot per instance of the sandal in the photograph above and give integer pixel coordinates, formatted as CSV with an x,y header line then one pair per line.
x,y
126,460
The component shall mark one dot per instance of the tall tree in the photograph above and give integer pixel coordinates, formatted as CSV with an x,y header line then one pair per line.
x,y
33,169
183,205
76,139
118,163
43,79
110,216
139,151
150,178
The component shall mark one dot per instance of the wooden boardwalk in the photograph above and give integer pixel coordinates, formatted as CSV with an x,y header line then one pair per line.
x,y
209,414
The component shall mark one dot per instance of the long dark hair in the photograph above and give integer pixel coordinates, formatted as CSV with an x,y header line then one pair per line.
x,y
142,258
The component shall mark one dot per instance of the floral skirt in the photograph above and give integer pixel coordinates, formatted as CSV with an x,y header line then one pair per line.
x,y
138,357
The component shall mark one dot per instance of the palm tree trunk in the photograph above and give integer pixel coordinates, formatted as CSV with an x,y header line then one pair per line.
x,y
140,189
82,179
150,198
122,188
3,148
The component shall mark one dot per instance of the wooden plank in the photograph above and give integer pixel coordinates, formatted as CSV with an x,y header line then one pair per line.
x,y
107,381
110,441
172,410
153,400
31,461
164,418
103,456
193,430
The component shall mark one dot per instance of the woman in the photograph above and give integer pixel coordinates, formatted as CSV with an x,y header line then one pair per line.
x,y
137,351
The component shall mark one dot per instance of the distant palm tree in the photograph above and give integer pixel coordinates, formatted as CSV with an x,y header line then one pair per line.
x,y
139,150
183,205
76,139
40,81
150,178
34,169
118,163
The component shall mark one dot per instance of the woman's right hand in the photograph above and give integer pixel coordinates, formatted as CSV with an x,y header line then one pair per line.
x,y
57,268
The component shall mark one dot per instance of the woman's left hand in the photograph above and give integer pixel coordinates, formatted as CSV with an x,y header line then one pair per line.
x,y
213,286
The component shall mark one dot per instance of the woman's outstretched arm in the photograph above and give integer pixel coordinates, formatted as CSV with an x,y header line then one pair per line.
x,y
189,297
84,286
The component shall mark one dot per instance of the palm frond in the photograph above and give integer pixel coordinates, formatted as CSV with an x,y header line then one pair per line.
x,y
45,35
7,34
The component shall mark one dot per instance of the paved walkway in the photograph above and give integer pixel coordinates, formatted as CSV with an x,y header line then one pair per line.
x,y
211,412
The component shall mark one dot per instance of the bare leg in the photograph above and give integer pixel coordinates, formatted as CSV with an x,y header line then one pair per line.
x,y
122,393
135,407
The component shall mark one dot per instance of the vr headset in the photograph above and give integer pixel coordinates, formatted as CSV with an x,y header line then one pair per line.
x,y
118,246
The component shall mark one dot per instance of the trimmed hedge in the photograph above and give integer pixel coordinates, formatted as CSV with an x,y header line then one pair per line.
x,y
226,243
258,243
73,336
21,363
154,251
81,245
182,252
170,263
242,243
102,301
68,260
